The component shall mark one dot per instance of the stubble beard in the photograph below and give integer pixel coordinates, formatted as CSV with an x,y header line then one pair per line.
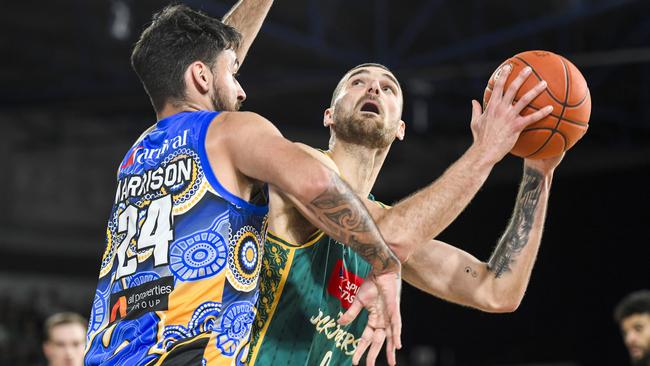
x,y
644,360
220,102
355,129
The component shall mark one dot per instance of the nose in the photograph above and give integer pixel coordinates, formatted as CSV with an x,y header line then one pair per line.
x,y
374,87
241,95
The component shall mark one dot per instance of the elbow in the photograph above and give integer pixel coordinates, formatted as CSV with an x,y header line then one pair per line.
x,y
401,248
400,244
502,304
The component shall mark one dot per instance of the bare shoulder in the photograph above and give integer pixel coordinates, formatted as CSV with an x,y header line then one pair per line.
x,y
318,155
242,122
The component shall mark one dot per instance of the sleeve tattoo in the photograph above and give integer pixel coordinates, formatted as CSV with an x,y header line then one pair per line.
x,y
349,222
517,233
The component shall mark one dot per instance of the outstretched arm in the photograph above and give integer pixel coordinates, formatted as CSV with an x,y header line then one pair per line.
x,y
252,146
498,285
257,150
425,214
247,17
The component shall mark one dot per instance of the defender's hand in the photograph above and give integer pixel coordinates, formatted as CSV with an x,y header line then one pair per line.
x,y
379,294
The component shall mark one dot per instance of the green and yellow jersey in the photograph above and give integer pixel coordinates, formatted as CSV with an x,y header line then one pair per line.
x,y
304,289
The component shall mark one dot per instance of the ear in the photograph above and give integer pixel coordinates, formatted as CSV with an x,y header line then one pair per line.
x,y
401,130
201,76
328,117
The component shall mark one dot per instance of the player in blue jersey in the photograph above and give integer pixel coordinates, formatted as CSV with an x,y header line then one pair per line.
x,y
184,242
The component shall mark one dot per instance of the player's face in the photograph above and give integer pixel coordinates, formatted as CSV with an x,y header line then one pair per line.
x,y
66,345
368,108
636,335
227,94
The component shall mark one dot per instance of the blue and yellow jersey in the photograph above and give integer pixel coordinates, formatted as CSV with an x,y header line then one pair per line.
x,y
178,278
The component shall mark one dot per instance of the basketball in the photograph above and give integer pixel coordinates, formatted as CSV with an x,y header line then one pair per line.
x,y
566,91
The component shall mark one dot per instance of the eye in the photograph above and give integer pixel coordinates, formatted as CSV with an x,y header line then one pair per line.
x,y
638,328
356,82
388,89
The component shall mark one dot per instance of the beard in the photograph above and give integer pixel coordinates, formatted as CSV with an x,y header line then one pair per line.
x,y
355,129
644,360
220,102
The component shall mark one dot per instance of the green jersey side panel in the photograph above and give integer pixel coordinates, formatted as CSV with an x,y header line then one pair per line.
x,y
303,291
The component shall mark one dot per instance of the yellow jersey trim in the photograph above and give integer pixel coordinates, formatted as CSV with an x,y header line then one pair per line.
x,y
278,293
277,239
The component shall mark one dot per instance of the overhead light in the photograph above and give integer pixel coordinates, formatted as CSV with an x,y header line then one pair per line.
x,y
121,24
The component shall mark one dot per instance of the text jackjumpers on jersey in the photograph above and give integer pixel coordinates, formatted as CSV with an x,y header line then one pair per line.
x,y
178,278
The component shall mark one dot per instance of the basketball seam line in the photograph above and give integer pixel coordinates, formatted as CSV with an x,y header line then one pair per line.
x,y
547,128
540,79
584,98
559,117
566,97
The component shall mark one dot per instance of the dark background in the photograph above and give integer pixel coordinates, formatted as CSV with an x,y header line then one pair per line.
x,y
70,107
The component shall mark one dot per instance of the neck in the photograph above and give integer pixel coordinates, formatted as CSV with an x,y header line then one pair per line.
x,y
171,109
359,165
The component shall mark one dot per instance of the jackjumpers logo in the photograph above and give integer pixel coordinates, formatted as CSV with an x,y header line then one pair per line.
x,y
135,301
343,284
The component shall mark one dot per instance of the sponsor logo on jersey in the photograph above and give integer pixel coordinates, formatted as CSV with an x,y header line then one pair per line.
x,y
139,154
131,158
343,284
135,301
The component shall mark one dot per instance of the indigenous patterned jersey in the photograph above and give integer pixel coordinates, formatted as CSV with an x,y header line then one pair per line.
x,y
178,279
304,289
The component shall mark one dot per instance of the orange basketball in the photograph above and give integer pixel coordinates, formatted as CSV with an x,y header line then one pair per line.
x,y
566,91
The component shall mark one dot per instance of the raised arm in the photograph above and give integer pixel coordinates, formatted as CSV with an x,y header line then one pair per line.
x,y
247,17
425,214
498,285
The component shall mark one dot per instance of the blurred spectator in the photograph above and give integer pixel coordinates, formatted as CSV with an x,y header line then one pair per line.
x,y
65,339
633,316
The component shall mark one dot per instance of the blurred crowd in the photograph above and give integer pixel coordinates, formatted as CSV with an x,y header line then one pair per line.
x,y
22,321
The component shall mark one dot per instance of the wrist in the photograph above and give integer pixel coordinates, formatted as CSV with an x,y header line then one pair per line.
x,y
481,158
390,265
540,167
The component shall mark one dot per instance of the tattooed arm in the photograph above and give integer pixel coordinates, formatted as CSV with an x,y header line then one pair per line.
x,y
498,285
248,149
423,215
245,149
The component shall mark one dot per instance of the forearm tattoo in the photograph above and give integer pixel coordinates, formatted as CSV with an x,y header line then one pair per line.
x,y
348,221
516,236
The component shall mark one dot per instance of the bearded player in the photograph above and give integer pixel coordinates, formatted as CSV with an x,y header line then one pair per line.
x,y
309,279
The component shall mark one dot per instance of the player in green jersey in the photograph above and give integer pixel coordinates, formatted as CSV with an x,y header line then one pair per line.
x,y
309,280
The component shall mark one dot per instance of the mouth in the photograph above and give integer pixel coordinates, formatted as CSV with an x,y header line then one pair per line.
x,y
370,107
636,351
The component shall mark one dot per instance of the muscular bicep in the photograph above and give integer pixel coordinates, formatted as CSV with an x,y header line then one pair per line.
x,y
449,273
257,150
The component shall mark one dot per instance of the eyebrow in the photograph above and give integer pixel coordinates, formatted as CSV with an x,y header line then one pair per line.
x,y
364,71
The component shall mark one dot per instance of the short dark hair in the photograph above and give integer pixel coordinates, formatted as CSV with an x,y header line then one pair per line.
x,y
637,302
57,319
177,37
339,86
